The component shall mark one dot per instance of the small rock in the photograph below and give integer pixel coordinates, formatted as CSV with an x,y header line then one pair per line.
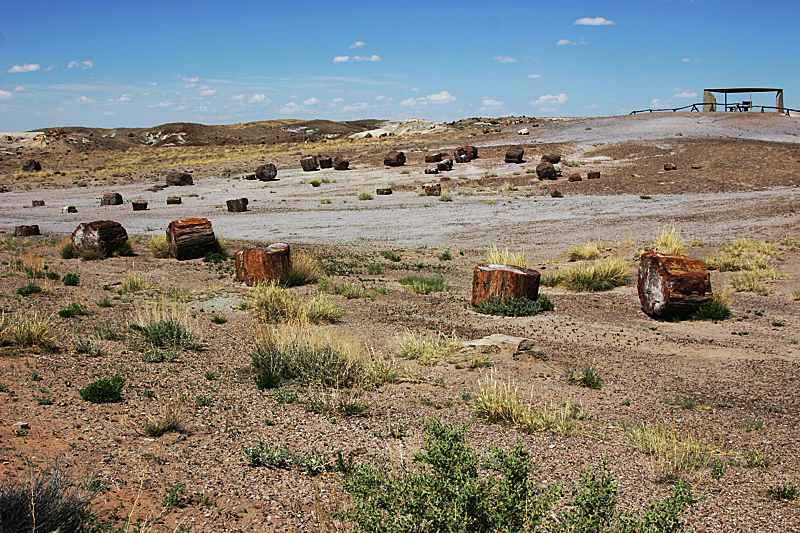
x,y
593,175
433,170
37,203
670,166
383,192
31,165
574,177
179,179
546,171
22,425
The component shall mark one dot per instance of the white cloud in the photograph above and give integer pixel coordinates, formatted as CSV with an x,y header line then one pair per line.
x,y
492,103
504,59
187,79
19,89
161,104
146,94
656,102
594,106
415,89
291,107
5,95
293,97
239,96
685,94
534,76
685,60
562,42
551,100
51,67
208,92
83,65
84,100
357,44
596,21
337,101
153,83
311,101
341,59
180,108
358,106
373,57
108,113
27,67
259,99
124,98
60,109
443,97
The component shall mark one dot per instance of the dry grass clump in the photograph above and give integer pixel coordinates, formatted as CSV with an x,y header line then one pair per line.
x,y
603,275
314,356
272,303
29,264
25,331
170,417
425,349
159,247
745,246
65,249
495,256
305,268
497,402
667,242
164,324
584,252
135,283
752,280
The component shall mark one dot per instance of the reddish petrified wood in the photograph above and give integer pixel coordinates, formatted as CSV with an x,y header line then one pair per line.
x,y
432,189
466,152
26,230
340,164
254,265
111,198
238,205
99,238
191,238
433,158
325,161
503,281
444,165
139,205
395,159
515,154
309,163
173,200
672,285
593,175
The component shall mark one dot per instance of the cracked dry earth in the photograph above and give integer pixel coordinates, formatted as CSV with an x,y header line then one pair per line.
x,y
744,372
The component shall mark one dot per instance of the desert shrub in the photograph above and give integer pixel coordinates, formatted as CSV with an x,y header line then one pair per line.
x,y
445,256
219,319
423,285
315,183
351,290
164,325
159,246
175,496
170,417
29,289
333,401
589,377
784,493
126,247
425,349
273,304
365,196
267,379
445,197
745,245
588,251
70,279
603,275
305,268
495,256
71,310
266,454
717,309
103,391
374,269
514,306
444,490
87,347
135,283
391,256
176,294
752,280
313,356
25,331
45,501
29,264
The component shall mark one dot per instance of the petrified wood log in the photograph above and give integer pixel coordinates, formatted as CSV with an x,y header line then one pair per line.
x,y
470,151
191,238
432,189
383,192
179,179
309,163
432,170
514,154
267,172
139,205
670,166
173,200
395,159
325,161
111,198
99,238
445,165
69,209
672,285
26,230
254,265
503,281
340,164
546,171
37,203
593,175
433,158
552,158
31,165
574,177
238,205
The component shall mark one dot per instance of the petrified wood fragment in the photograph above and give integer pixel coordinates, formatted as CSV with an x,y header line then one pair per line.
x,y
503,281
394,159
672,285
238,205
309,163
514,154
254,265
26,230
267,172
99,238
432,189
191,238
111,198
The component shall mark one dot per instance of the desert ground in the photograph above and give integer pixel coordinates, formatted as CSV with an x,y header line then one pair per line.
x,y
729,385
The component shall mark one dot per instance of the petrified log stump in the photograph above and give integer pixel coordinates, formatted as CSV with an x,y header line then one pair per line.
x,y
433,158
99,238
191,238
593,176
26,230
503,281
394,159
267,172
672,285
574,177
254,265
111,198
325,161
552,158
546,171
37,203
514,154
309,163
470,151
462,158
31,165
238,205
445,165
139,205
432,170
173,200
432,189
383,192
179,179
69,209
340,164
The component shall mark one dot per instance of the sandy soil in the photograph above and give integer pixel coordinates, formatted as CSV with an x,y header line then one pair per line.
x,y
744,370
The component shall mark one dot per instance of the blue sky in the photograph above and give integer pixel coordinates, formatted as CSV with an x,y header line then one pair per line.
x,y
138,64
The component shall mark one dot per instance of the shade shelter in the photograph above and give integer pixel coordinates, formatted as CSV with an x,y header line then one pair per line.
x,y
710,101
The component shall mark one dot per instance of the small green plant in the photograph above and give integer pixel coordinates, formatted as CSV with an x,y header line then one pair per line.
x,y
266,454
284,395
219,319
391,256
784,493
422,285
514,306
756,458
210,376
86,347
267,379
374,269
588,251
71,310
445,197
752,425
52,276
445,256
365,196
175,497
176,294
36,377
203,401
325,201
45,399
603,275
65,249
103,391
717,309
718,468
159,246
104,302
29,289
316,183
589,377
215,258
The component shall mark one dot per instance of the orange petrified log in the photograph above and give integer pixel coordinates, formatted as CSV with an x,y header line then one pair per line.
x,y
672,285
503,281
254,265
191,238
